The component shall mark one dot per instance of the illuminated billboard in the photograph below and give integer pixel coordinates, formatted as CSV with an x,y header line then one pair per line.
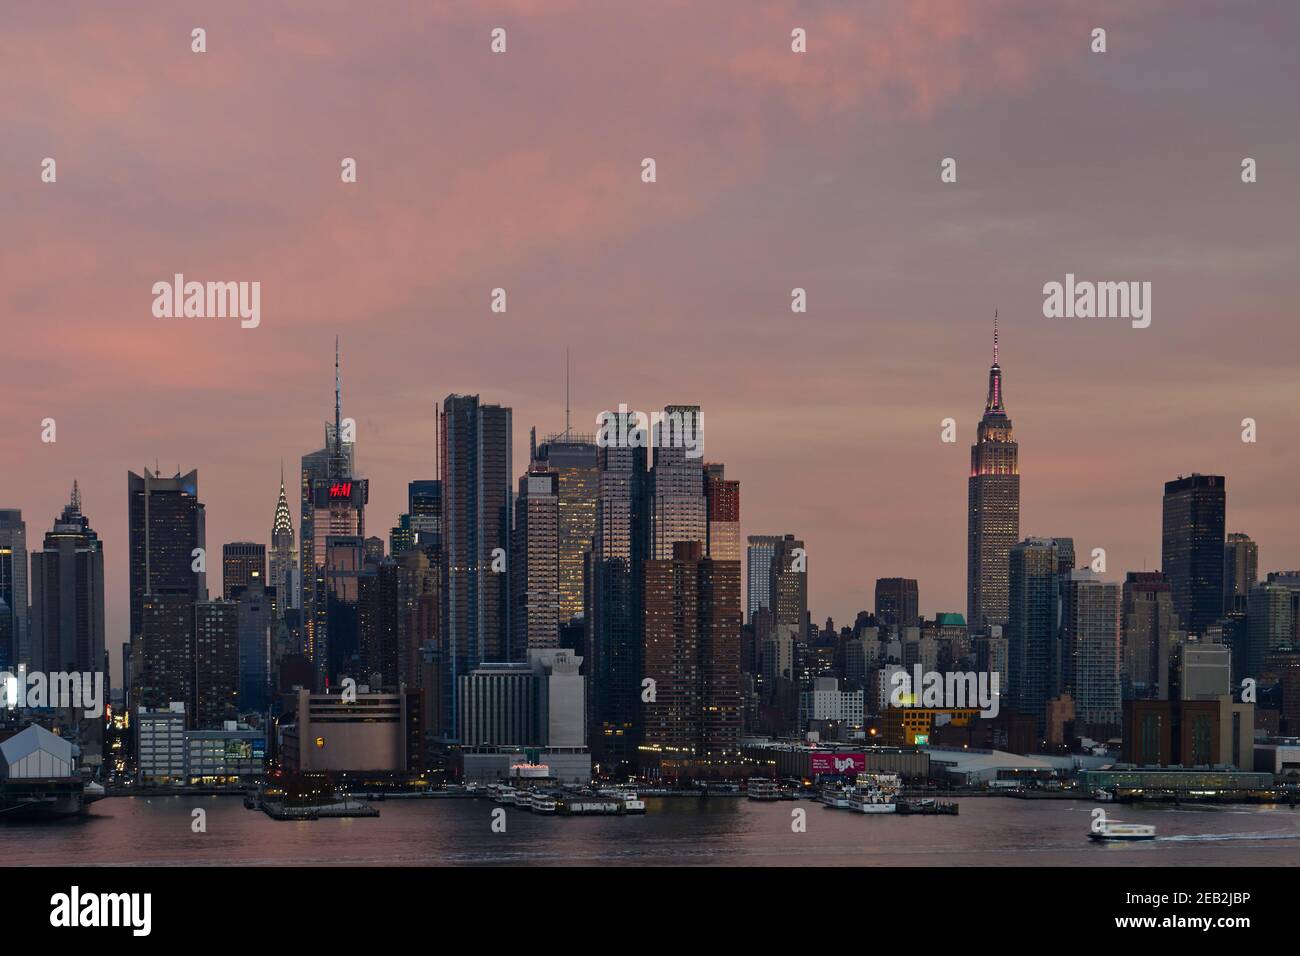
x,y
336,491
833,763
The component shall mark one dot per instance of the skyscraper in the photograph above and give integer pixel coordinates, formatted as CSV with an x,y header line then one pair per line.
x,y
1191,553
572,458
1272,620
692,653
898,602
678,510
253,612
758,586
241,561
284,555
1090,650
1240,571
1033,627
15,648
722,499
536,555
216,664
476,518
1149,628
613,621
67,612
788,581
166,525
993,502
162,653
337,514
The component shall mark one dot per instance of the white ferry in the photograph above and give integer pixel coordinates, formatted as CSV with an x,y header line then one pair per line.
x,y
1113,830
542,802
874,793
760,788
835,796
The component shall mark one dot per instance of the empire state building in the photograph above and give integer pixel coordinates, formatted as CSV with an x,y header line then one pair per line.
x,y
993,496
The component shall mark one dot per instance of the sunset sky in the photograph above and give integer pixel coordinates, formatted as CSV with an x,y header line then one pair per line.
x,y
775,170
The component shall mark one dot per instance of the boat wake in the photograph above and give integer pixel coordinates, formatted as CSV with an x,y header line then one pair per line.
x,y
1216,837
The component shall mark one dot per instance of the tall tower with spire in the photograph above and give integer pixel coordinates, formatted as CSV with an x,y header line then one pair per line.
x,y
993,500
333,528
284,556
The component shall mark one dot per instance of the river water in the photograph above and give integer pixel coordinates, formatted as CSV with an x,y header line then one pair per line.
x,y
990,831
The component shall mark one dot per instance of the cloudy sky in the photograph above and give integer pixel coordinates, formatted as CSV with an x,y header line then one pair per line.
x,y
775,170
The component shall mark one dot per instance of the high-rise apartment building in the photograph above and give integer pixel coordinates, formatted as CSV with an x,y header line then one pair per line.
x,y
216,664
1149,630
1090,649
722,502
613,620
692,653
758,586
678,508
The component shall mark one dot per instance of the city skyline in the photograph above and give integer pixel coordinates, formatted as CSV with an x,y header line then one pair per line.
x,y
829,419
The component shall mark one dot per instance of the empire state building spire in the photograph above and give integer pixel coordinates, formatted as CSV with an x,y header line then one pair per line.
x,y
994,402
993,501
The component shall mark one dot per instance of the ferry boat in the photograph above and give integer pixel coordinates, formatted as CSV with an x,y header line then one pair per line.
x,y
1114,831
584,805
542,802
760,788
835,796
874,793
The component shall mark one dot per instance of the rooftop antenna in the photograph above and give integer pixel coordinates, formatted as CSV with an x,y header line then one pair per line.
x,y
995,336
338,401
76,497
566,393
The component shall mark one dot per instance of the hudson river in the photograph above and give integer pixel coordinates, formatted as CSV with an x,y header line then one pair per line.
x,y
720,831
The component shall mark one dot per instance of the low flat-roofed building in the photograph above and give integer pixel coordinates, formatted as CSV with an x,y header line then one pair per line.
x,y
1202,780
790,760
230,756
975,768
334,732
160,744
